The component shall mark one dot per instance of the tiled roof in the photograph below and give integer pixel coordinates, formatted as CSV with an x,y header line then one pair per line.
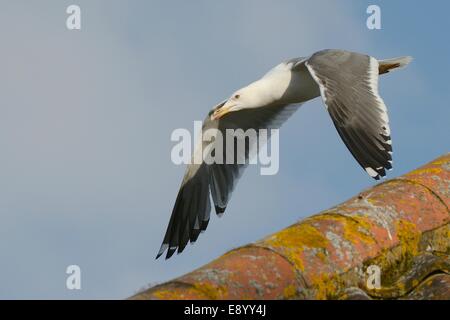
x,y
398,232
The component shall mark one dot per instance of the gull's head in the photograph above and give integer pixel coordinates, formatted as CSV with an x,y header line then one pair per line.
x,y
234,103
245,98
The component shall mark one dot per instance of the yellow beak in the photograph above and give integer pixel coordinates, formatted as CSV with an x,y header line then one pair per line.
x,y
219,113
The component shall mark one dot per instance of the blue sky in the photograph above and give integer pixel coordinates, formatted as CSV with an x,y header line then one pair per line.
x,y
86,118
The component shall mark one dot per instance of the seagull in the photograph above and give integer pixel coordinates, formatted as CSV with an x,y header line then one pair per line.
x,y
348,84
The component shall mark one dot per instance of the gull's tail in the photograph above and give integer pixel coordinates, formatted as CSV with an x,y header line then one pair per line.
x,y
385,66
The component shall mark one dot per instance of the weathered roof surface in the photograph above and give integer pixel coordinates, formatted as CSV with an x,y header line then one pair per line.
x,y
401,226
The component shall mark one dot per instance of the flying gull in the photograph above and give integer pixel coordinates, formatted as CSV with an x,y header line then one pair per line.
x,y
348,84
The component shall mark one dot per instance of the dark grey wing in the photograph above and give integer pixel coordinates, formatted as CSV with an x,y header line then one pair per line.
x,y
191,212
349,87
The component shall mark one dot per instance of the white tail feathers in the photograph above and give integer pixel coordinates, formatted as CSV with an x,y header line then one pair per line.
x,y
387,65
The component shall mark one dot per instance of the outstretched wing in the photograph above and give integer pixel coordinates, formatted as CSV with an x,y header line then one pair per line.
x,y
348,85
191,211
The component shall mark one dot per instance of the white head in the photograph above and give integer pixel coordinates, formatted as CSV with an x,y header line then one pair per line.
x,y
246,98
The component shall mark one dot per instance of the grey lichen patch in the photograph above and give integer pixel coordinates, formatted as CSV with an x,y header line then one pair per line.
x,y
258,287
383,216
343,247
219,276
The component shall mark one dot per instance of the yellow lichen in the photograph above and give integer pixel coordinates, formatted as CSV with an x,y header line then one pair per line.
x,y
171,294
427,170
356,229
441,161
326,286
165,294
395,261
295,239
290,291
409,237
211,291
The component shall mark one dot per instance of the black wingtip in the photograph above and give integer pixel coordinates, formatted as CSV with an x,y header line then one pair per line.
x,y
163,248
381,174
194,235
181,247
170,252
204,225
219,210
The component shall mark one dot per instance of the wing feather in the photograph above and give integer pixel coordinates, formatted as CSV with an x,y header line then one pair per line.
x,y
191,212
348,84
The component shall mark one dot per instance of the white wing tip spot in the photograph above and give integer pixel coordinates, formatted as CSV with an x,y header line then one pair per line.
x,y
371,172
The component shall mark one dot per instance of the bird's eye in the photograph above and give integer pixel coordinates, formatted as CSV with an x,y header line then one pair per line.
x,y
237,96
